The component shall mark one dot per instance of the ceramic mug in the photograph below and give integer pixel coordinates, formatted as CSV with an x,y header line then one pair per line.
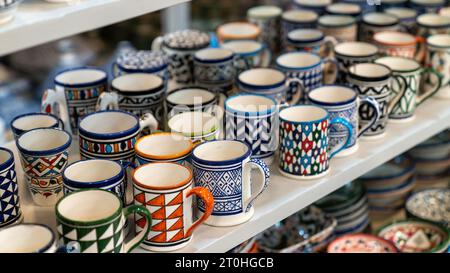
x,y
137,93
254,120
44,156
427,6
344,102
249,54
318,6
296,19
307,68
310,40
112,134
93,220
406,79
267,18
198,126
30,121
224,167
374,80
238,31
10,212
438,58
375,22
432,24
214,68
165,188
304,141
193,98
141,61
180,47
350,53
163,147
350,9
399,44
342,28
269,82
407,17
75,95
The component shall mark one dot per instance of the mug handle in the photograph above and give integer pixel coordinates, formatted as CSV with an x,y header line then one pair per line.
x,y
108,100
208,199
148,121
299,92
71,247
54,102
333,61
137,240
336,149
421,49
157,43
266,57
262,167
115,69
128,186
399,95
330,42
427,95
376,106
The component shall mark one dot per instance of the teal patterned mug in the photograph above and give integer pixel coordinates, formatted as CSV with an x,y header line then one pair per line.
x,y
93,221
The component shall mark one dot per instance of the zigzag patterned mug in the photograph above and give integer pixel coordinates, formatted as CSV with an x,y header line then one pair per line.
x,y
10,212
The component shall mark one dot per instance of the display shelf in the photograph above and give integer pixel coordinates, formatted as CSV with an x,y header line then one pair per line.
x,y
284,196
37,22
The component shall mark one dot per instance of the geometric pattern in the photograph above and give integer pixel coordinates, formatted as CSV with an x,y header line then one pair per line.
x,y
9,196
117,188
439,60
398,51
141,61
304,148
310,79
408,85
112,149
288,26
220,73
167,212
104,238
181,67
140,105
344,62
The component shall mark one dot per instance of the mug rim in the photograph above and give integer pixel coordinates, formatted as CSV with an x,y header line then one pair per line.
x,y
298,67
289,20
327,116
159,188
202,133
261,87
370,79
386,43
422,24
56,150
406,9
8,162
45,247
119,134
306,41
313,4
164,157
356,56
276,12
343,102
397,20
235,160
351,21
229,36
419,66
251,113
214,60
32,114
186,88
104,79
438,36
122,91
334,12
245,54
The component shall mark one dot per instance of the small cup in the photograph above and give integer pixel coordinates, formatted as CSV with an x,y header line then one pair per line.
x,y
318,6
399,44
432,24
238,31
187,99
311,40
165,188
267,18
375,22
296,19
438,58
30,121
343,28
349,9
427,6
407,17
27,238
224,167
44,154
112,134
304,141
249,54
164,147
198,126
93,221
10,212
141,61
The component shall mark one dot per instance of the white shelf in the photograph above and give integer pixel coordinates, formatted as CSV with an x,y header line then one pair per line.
x,y
37,22
284,196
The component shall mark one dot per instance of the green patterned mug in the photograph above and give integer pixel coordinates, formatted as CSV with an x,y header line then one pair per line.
x,y
93,220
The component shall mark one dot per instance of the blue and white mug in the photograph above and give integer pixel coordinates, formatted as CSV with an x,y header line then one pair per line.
x,y
224,168
296,19
310,40
249,54
254,120
318,6
30,121
141,61
10,212
344,102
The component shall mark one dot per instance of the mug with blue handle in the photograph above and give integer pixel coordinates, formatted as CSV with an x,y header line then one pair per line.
x,y
305,151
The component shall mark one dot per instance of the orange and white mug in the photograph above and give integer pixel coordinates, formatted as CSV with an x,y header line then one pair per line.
x,y
400,44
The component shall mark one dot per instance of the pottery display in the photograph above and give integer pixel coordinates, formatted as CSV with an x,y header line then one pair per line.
x,y
342,27
267,18
141,61
361,243
438,58
430,205
10,212
296,19
375,22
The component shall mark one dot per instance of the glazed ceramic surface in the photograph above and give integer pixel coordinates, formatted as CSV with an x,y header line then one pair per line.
x,y
164,189
214,68
27,238
318,6
407,17
437,147
361,243
93,221
30,121
199,126
431,24
310,40
375,22
343,28
249,54
427,6
238,31
224,167
296,19
44,155
431,205
10,212
438,58
267,18
141,61
399,44
350,9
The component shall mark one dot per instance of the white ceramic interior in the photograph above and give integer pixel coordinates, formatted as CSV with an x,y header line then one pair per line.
x,y
399,63
433,20
305,34
239,29
304,113
394,37
92,170
335,20
445,11
261,76
427,2
221,150
89,205
299,15
210,54
369,70
80,76
24,239
167,175
43,139
356,49
332,94
440,40
314,3
344,8
30,122
4,156
380,18
108,122
402,13
241,47
264,12
190,96
298,60
135,82
163,145
193,123
249,103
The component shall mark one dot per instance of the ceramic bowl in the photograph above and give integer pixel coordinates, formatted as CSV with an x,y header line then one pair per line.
x,y
342,200
392,193
358,222
430,205
7,10
416,236
361,243
437,147
433,167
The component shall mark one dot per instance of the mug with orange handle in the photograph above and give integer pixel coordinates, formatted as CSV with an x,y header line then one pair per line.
x,y
166,190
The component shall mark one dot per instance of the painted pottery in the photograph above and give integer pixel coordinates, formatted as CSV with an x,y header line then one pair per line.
x,y
318,6
407,17
361,243
27,238
430,205
238,31
350,9
44,155
427,6
304,141
165,188
30,121
97,226
224,168
399,44
10,212
310,40
141,61
187,99
375,22
342,27
431,24
198,126
267,18
438,58
296,19
249,54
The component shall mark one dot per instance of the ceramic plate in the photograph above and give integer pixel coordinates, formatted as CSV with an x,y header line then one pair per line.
x,y
361,243
432,205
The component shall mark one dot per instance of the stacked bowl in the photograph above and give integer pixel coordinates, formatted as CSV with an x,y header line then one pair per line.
x,y
348,205
431,205
389,185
